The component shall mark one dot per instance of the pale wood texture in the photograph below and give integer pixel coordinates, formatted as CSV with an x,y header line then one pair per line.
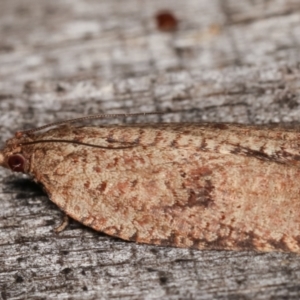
x,y
233,61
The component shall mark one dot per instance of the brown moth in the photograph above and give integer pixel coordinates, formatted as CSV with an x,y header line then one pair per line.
x,y
204,186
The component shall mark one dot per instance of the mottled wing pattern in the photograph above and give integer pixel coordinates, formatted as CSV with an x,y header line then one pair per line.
x,y
179,188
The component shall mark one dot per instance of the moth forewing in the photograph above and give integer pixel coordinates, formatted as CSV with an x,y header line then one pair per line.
x,y
206,186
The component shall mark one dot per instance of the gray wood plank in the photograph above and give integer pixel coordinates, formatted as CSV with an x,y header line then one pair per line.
x,y
228,61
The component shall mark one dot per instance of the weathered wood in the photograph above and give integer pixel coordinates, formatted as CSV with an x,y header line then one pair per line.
x,y
233,61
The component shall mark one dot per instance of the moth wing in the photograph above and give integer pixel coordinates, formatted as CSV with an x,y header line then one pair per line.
x,y
176,197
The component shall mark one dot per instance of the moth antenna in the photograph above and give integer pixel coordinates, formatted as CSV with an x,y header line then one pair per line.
x,y
91,117
77,143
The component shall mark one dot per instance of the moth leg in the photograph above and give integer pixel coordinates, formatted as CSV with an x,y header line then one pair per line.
x,y
63,225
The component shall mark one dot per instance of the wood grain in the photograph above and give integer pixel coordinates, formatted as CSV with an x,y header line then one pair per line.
x,y
227,62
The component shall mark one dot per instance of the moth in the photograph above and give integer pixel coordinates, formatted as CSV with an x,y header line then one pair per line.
x,y
203,186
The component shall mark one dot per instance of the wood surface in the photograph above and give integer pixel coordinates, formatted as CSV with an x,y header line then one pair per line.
x,y
228,61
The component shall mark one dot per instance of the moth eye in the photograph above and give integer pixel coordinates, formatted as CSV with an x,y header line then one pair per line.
x,y
16,162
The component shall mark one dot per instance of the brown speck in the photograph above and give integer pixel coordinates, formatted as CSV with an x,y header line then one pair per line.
x,y
134,183
97,169
220,126
103,186
166,21
60,88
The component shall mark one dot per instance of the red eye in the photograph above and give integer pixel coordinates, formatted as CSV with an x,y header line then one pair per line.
x,y
16,162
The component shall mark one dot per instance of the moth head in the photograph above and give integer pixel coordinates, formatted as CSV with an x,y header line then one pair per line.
x,y
14,160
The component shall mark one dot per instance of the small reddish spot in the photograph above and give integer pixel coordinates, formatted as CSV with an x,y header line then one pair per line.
x,y
122,186
97,169
134,183
166,21
16,162
204,171
87,185
103,186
